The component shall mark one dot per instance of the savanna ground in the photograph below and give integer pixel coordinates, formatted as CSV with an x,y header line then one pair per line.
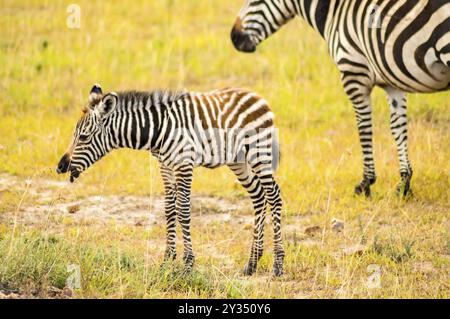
x,y
110,225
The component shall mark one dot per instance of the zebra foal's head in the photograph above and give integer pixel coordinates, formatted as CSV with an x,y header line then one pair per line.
x,y
257,20
89,141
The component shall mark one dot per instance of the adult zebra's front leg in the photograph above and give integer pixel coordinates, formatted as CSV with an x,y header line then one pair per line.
x,y
183,179
360,98
170,188
399,130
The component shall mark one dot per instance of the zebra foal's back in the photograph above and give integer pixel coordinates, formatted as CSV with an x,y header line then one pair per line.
x,y
220,127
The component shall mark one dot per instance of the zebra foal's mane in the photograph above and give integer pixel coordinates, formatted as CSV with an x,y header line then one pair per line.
x,y
153,98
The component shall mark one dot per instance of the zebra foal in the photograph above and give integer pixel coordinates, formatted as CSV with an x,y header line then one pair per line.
x,y
232,127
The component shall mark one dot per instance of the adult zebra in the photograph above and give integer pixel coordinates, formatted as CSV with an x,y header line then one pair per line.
x,y
402,46
232,127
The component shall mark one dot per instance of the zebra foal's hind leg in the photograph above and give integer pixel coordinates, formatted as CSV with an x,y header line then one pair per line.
x,y
273,197
183,178
254,188
169,211
399,129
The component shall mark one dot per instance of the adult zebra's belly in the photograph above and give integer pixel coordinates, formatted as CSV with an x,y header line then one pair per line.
x,y
414,77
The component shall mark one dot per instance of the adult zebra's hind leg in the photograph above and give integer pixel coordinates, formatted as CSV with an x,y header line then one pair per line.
x,y
360,98
399,129
169,211
253,186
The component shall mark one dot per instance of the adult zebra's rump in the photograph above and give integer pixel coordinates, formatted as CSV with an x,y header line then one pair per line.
x,y
402,46
232,127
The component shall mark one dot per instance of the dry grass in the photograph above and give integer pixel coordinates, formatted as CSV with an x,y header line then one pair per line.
x,y
47,71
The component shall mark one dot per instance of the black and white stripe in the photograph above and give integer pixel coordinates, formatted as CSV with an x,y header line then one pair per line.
x,y
402,46
232,127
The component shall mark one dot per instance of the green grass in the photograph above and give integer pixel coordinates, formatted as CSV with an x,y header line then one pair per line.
x,y
46,74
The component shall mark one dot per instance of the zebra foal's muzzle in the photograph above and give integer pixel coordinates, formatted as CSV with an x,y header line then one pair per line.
x,y
241,39
64,167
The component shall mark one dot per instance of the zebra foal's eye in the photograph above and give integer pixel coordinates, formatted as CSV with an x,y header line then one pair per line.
x,y
83,137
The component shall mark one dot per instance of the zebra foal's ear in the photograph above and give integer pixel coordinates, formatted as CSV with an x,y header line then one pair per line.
x,y
95,95
107,104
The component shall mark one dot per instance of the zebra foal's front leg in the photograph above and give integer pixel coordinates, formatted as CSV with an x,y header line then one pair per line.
x,y
399,130
183,178
169,211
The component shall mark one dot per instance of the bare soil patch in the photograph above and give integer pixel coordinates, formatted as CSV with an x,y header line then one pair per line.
x,y
46,199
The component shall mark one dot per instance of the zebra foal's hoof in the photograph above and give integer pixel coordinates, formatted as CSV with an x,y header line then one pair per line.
x,y
277,269
278,263
189,260
169,255
187,269
249,269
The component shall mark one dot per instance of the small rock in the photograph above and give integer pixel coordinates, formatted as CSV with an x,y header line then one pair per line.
x,y
67,292
57,293
52,292
355,250
139,223
73,209
337,225
8,295
312,230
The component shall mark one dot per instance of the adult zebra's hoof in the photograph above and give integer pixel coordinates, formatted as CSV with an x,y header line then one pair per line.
x,y
249,269
364,187
404,187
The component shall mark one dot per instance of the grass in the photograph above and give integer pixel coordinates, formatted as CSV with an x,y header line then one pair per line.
x,y
46,74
